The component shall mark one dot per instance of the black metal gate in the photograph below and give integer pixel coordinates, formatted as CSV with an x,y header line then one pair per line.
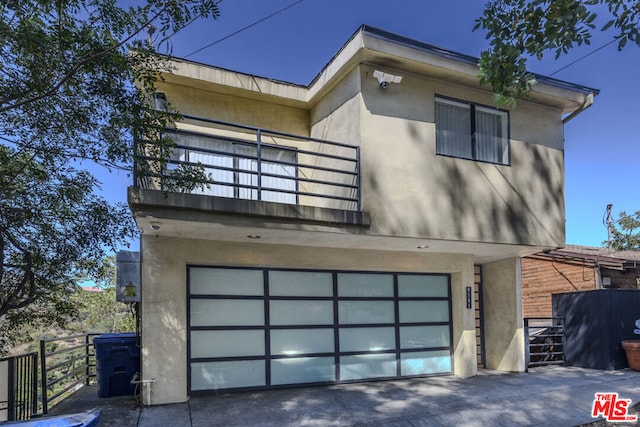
x,y
481,353
21,374
545,341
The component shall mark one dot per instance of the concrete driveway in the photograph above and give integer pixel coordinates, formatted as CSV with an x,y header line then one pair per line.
x,y
548,396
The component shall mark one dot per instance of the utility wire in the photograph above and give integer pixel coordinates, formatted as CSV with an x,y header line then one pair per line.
x,y
583,57
244,28
195,18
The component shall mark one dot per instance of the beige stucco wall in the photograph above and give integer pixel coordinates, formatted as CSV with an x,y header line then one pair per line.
x,y
164,297
328,116
411,191
335,118
503,324
408,189
235,109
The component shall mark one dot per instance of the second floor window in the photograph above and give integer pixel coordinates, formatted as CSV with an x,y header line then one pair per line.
x,y
472,131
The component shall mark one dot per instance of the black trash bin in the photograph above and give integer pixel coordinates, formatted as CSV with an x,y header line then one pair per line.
x,y
117,361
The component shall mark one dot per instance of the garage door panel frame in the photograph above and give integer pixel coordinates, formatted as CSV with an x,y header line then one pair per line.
x,y
267,327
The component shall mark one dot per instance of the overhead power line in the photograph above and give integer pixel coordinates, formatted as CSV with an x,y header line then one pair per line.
x,y
583,57
244,28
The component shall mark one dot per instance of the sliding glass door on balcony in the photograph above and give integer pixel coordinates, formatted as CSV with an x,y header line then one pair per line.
x,y
262,328
237,170
277,171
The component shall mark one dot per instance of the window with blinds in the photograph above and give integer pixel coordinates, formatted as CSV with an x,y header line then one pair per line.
x,y
470,131
232,168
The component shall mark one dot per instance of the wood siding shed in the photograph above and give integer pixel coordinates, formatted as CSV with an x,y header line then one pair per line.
x,y
544,275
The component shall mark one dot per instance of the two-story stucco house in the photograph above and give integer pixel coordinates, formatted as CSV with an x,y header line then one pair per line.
x,y
347,221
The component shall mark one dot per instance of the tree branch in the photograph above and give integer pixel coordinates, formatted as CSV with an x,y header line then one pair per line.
x,y
78,66
9,304
2,244
26,287
71,154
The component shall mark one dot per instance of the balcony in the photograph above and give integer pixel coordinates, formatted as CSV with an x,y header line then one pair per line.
x,y
250,171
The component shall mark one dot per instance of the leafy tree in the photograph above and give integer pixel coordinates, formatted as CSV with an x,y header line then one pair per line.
x,y
100,312
518,29
625,235
94,310
97,309
76,85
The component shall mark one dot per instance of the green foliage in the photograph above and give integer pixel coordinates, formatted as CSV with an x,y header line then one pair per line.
x,y
76,85
625,236
518,29
79,311
49,220
100,312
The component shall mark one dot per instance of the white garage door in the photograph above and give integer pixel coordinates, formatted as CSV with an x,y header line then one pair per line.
x,y
263,328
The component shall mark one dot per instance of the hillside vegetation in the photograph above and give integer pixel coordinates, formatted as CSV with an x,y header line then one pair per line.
x,y
94,311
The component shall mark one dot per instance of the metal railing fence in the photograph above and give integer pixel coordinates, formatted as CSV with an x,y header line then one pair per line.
x,y
65,363
257,164
18,387
544,341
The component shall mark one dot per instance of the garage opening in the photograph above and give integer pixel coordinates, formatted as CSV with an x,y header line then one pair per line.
x,y
266,328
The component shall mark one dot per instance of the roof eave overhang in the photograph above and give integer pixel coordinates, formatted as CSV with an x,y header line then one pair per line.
x,y
374,46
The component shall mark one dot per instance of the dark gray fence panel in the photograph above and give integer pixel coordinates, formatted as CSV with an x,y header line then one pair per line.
x,y
596,322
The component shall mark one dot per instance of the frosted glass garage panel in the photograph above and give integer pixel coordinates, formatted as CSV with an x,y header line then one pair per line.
x,y
225,281
300,283
225,312
367,366
365,285
423,286
424,336
367,339
299,312
219,375
303,370
301,341
425,362
227,343
423,311
355,312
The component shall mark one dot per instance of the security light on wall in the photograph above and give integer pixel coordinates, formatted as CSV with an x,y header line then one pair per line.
x,y
384,79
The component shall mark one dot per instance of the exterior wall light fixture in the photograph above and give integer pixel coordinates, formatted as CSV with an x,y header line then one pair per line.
x,y
384,79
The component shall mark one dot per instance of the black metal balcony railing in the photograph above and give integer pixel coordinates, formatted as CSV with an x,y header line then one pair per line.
x,y
245,162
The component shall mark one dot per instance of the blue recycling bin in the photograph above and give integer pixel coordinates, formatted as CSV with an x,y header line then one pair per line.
x,y
117,361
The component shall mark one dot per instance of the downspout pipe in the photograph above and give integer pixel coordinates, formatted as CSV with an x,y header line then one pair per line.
x,y
588,102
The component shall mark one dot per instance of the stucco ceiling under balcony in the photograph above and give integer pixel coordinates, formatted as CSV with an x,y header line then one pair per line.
x,y
157,215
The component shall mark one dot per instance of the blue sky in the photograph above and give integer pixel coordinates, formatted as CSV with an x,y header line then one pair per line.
x,y
602,149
